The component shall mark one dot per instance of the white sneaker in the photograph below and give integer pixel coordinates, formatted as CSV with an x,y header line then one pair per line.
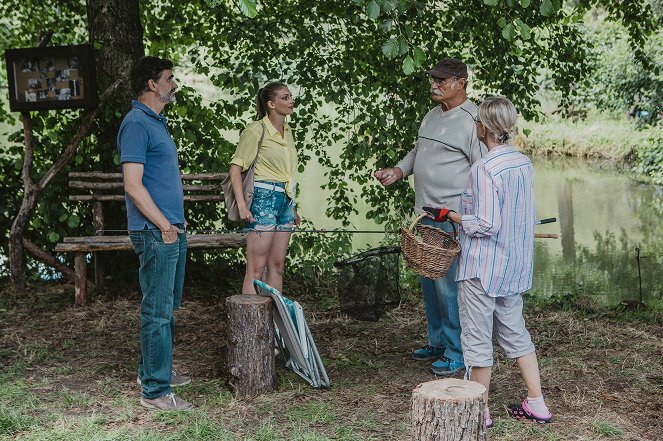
x,y
168,402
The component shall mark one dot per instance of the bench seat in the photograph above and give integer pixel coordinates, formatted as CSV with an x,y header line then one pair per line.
x,y
88,244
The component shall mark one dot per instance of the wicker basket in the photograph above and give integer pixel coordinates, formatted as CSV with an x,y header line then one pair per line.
x,y
431,255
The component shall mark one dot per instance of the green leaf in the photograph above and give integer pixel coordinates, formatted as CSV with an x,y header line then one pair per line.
x,y
248,8
525,30
491,2
525,3
53,236
373,9
547,9
526,132
388,5
508,32
408,65
390,48
63,217
501,22
419,57
73,221
402,46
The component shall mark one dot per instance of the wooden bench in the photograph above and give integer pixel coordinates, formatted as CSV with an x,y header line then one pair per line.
x,y
98,188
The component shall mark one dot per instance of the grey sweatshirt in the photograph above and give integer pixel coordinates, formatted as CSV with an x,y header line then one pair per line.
x,y
446,147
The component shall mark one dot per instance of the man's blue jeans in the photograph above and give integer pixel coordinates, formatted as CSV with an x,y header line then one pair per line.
x,y
161,277
441,303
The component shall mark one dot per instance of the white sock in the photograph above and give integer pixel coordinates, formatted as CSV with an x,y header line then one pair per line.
x,y
538,406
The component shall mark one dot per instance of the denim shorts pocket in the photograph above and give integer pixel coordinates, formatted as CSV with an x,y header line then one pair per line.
x,y
262,193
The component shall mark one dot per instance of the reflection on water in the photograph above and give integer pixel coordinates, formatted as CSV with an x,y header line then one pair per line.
x,y
602,217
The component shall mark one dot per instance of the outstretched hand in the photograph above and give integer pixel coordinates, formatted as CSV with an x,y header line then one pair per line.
x,y
388,176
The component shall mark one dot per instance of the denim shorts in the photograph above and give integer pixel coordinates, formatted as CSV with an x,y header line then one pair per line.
x,y
271,209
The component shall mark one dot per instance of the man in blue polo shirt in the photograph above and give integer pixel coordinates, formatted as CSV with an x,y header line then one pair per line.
x,y
155,217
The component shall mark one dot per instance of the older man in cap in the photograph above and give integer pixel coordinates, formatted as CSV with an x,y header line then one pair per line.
x,y
446,147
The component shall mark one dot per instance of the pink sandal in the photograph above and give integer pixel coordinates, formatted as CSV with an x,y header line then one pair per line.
x,y
523,411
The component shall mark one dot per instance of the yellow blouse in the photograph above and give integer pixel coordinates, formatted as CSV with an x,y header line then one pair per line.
x,y
277,160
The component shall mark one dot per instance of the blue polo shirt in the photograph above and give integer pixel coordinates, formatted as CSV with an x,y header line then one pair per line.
x,y
144,138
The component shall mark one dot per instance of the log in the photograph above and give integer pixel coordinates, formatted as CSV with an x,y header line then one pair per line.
x,y
448,410
123,243
80,283
98,225
82,185
118,176
250,343
546,236
120,198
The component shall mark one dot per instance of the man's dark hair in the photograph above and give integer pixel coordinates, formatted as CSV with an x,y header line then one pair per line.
x,y
145,69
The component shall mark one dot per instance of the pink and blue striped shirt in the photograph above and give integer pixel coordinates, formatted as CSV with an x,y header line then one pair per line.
x,y
498,214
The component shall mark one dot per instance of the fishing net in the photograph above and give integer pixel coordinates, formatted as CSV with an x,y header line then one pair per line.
x,y
367,284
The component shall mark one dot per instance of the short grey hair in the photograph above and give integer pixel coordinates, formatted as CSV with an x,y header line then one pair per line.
x,y
498,115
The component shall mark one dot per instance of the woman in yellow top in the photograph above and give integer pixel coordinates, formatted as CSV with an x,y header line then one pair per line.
x,y
272,212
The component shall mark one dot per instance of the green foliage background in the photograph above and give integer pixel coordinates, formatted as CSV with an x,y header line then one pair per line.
x,y
357,68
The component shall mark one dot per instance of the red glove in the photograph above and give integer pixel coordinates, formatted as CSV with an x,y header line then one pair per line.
x,y
438,214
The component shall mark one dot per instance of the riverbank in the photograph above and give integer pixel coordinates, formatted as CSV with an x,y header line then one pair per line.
x,y
69,373
599,136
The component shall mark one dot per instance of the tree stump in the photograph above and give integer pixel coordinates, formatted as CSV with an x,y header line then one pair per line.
x,y
250,339
448,410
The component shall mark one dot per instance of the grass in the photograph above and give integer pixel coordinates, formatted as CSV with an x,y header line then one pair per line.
x,y
607,429
68,373
600,136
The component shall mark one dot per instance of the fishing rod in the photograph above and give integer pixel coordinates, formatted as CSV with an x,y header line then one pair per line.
x,y
294,230
318,231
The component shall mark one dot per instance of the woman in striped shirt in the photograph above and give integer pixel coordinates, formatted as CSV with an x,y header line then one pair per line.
x,y
495,265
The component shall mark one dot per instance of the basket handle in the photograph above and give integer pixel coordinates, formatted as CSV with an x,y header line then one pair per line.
x,y
421,216
417,219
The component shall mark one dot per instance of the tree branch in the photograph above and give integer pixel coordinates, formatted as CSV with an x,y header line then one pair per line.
x,y
49,259
80,134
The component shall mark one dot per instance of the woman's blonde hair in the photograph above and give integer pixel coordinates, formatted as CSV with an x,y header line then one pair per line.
x,y
498,115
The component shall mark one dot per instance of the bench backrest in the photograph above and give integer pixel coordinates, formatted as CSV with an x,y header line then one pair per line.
x,y
104,187
100,187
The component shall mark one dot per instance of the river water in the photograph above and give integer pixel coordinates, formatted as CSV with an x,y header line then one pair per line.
x,y
603,216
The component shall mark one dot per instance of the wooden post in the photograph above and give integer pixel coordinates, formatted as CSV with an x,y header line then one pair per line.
x,y
98,224
80,284
448,410
250,339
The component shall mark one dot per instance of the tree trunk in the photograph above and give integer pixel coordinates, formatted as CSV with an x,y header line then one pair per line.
x,y
115,28
16,252
448,410
250,339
